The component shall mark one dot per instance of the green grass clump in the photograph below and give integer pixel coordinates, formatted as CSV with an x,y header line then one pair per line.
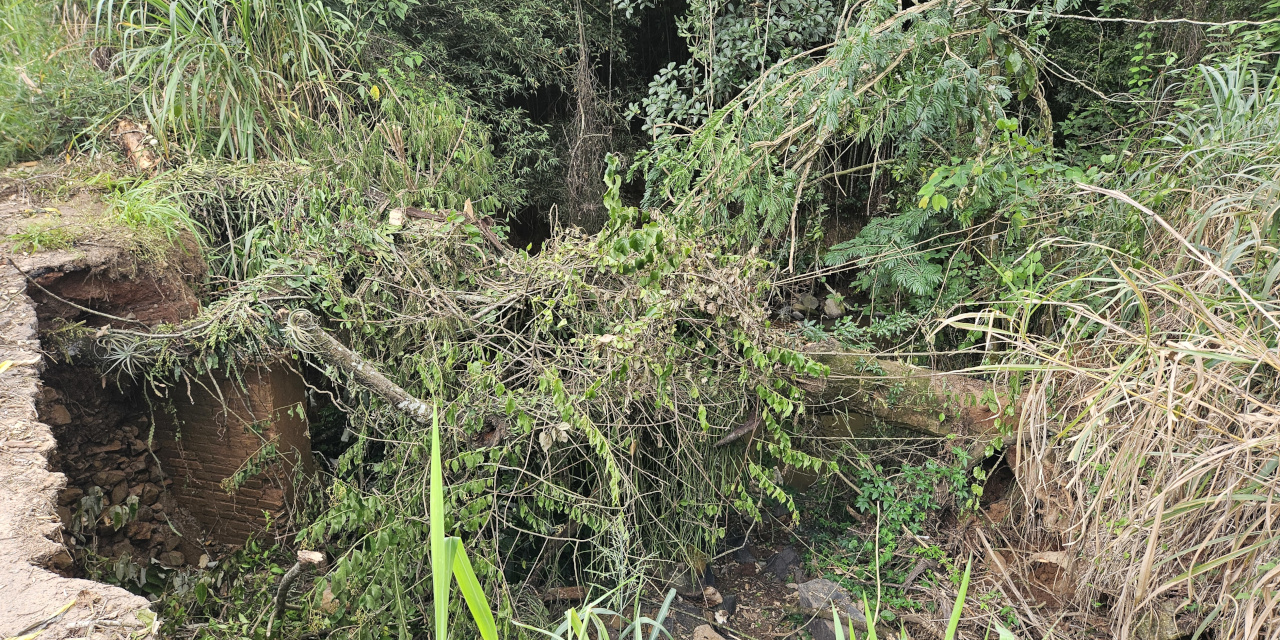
x,y
231,77
156,220
42,236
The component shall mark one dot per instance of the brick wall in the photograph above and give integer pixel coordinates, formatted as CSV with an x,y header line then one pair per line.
x,y
218,429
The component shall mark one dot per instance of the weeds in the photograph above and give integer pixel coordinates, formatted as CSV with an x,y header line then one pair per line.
x,y
159,219
1149,435
42,236
53,98
242,72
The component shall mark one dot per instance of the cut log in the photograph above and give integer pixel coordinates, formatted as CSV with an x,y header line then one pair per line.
x,y
933,402
134,138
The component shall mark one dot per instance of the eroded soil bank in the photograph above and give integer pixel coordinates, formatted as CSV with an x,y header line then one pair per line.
x,y
106,479
35,597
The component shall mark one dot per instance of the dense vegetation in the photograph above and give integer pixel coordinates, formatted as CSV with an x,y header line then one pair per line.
x,y
638,220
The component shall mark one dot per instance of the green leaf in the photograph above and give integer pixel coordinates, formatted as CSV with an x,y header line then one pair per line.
x,y
958,609
870,617
1003,633
471,591
441,564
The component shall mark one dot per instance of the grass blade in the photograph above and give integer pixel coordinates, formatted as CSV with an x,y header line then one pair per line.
x,y
662,616
954,624
471,591
870,617
441,566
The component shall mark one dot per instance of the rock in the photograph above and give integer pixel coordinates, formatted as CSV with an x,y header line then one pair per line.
x,y
57,415
823,629
109,478
705,632
832,309
137,465
172,543
822,593
807,304
62,560
729,606
122,548
712,597
64,515
172,559
70,496
146,492
782,563
744,556
139,530
120,493
114,445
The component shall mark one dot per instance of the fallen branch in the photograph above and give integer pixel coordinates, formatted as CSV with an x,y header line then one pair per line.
x,y
311,338
753,421
134,138
305,559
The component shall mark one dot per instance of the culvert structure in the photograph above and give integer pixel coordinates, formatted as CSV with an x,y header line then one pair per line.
x,y
106,477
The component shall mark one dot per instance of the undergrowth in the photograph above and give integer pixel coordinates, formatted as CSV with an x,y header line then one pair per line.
x,y
54,100
1124,296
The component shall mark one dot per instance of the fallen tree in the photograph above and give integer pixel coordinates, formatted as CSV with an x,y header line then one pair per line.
x,y
589,391
925,400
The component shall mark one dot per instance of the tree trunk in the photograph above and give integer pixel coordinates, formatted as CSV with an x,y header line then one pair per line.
x,y
924,400
311,338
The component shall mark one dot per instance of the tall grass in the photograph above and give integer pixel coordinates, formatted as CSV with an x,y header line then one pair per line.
x,y
52,95
1150,434
230,76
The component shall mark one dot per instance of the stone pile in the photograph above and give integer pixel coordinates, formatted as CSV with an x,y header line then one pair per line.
x,y
117,500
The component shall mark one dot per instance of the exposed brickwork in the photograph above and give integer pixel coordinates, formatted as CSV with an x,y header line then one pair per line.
x,y
217,436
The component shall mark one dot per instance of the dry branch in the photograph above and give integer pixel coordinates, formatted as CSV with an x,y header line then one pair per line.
x,y
311,338
305,559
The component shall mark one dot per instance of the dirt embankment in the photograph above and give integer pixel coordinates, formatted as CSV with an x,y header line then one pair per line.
x,y
34,597
57,263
